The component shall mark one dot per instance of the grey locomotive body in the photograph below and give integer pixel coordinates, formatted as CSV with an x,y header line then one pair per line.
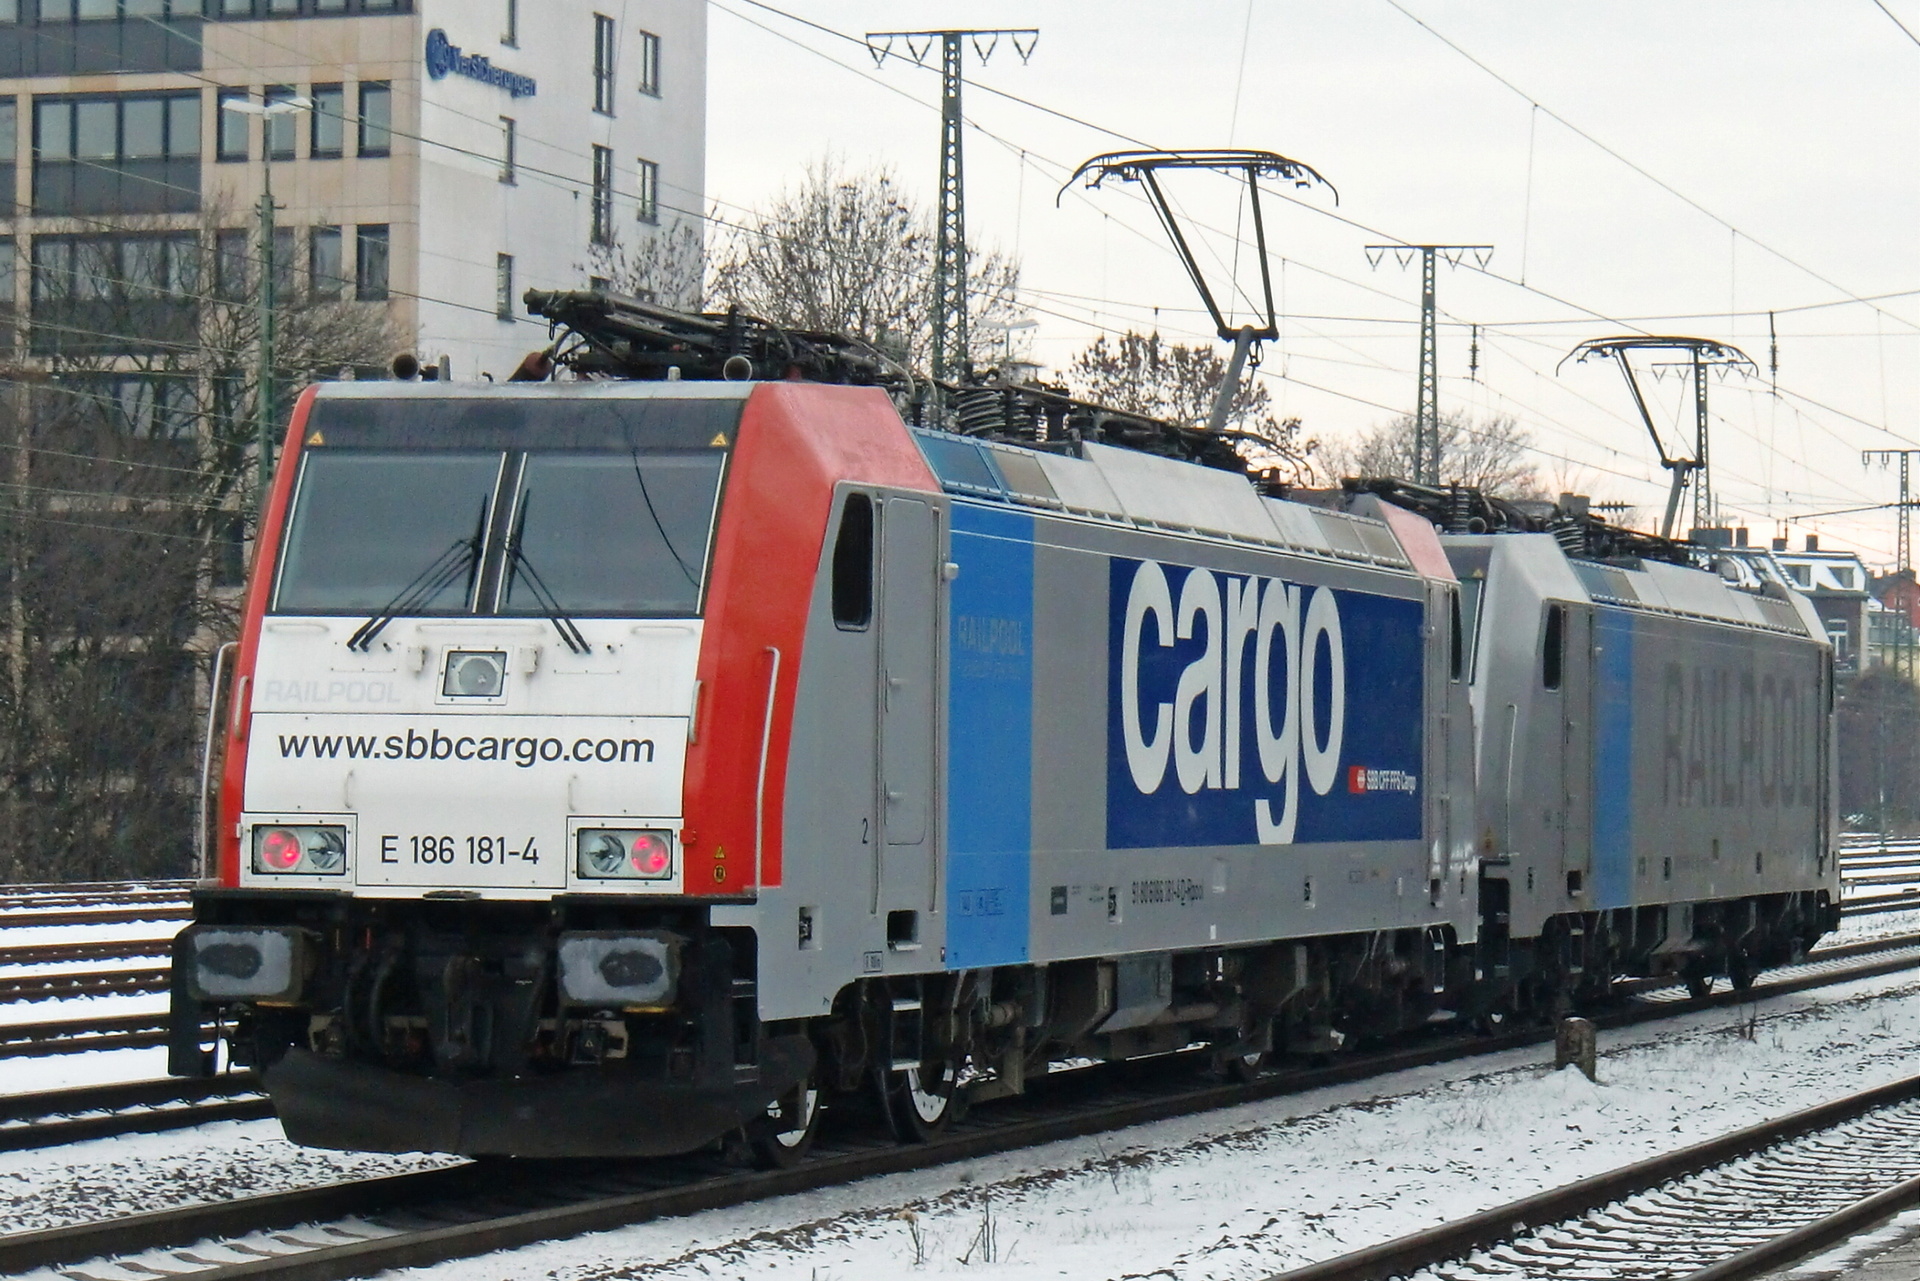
x,y
1654,761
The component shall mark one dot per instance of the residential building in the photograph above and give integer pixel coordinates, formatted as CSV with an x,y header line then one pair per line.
x,y
1836,582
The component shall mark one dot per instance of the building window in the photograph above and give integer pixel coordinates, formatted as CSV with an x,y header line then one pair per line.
x,y
503,286
648,176
283,6
370,263
90,10
649,63
329,6
376,118
509,138
113,294
232,127
236,8
127,127
281,128
325,263
286,261
9,129
328,138
603,64
9,12
231,260
602,195
510,32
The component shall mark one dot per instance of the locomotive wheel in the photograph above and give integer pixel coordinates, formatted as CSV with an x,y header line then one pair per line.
x,y
781,1139
1740,972
918,1107
1241,1068
1699,984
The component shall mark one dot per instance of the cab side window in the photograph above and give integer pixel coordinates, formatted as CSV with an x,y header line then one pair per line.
x,y
853,565
1553,646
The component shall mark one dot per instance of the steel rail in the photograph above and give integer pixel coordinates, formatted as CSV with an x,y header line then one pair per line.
x,y
51,987
172,908
50,1118
108,950
1061,1106
76,1036
1450,1242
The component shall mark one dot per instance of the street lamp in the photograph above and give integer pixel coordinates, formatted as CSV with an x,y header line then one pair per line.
x,y
264,395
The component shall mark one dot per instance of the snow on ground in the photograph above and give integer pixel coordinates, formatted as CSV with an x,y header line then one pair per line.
x,y
72,1071
1250,1191
75,1008
135,1173
1877,925
18,935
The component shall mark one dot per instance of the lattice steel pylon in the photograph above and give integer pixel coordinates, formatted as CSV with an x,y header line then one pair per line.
x,y
949,293
1903,550
1426,413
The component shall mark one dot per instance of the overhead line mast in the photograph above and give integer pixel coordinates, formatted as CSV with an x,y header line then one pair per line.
x,y
1426,414
950,239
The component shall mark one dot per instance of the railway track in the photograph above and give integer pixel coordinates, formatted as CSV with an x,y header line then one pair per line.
x,y
1729,1209
53,1117
358,1229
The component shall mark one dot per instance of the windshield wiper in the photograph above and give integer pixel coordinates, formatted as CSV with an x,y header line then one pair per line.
x,y
445,570
542,594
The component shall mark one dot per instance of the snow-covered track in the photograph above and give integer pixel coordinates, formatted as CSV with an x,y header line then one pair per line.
x,y
120,912
53,987
77,1036
50,1118
359,1229
105,950
1724,1210
91,894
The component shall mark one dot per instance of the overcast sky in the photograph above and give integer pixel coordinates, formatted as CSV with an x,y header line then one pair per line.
x,y
1779,142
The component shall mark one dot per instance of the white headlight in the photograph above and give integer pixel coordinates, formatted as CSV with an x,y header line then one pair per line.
x,y
475,674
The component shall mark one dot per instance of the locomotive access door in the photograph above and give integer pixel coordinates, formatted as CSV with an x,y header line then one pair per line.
x,y
1576,739
909,622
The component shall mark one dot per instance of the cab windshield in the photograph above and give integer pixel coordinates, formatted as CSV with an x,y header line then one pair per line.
x,y
525,532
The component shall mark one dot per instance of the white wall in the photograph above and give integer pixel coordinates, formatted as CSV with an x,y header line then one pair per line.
x,y
468,216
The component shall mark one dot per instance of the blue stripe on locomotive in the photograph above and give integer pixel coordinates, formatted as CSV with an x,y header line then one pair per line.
x,y
1194,758
989,737
1613,759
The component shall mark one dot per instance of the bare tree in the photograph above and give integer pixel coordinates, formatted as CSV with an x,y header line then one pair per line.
x,y
665,264
1489,454
126,441
851,253
1177,382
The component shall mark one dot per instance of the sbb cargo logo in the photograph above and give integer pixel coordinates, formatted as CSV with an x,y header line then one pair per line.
x,y
1236,704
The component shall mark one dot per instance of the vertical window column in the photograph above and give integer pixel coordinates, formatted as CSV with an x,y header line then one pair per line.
x,y
376,118
325,262
649,64
232,127
371,262
603,32
602,231
503,286
328,131
283,128
509,145
648,190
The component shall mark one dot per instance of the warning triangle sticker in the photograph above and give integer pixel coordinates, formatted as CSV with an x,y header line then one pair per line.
x,y
316,439
719,440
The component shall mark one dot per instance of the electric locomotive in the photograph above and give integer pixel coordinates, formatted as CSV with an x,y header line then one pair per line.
x,y
622,765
